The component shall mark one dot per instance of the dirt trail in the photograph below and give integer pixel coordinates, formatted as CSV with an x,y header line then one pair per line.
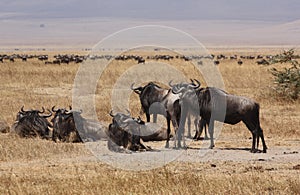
x,y
148,160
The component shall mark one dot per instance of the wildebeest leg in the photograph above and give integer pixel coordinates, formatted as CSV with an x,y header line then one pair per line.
x,y
168,130
205,129
189,126
253,149
201,125
154,118
261,135
197,131
254,128
211,133
180,132
148,117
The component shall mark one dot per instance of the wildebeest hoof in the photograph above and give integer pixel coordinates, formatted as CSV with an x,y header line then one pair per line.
x,y
211,147
167,145
255,151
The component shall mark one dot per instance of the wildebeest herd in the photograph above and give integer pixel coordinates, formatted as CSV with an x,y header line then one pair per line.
x,y
75,58
127,133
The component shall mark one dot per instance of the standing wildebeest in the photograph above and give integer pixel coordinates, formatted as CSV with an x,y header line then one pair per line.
x,y
199,124
64,127
156,100
32,124
124,134
212,104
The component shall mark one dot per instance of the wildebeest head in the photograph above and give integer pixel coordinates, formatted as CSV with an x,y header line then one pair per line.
x,y
151,96
64,127
32,123
183,88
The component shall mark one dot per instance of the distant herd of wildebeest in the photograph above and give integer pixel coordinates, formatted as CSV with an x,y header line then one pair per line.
x,y
127,133
75,58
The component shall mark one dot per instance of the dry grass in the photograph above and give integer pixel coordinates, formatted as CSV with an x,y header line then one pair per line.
x,y
33,166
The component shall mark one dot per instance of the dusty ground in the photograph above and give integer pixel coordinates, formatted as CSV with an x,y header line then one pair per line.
x,y
34,166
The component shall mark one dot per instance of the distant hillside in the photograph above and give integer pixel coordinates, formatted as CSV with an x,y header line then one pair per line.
x,y
85,32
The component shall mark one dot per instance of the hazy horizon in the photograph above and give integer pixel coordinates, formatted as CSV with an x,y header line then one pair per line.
x,y
73,23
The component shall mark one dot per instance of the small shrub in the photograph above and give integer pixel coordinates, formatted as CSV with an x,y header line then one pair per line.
x,y
287,80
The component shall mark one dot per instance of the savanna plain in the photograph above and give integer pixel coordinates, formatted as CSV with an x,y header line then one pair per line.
x,y
36,166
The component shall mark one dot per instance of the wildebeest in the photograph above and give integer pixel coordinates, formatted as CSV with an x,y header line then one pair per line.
x,y
199,124
32,123
64,126
213,102
43,57
11,59
70,126
262,62
240,62
156,100
140,60
124,134
216,62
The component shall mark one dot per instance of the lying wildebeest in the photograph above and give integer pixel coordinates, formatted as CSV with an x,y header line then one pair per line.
x,y
124,134
212,103
64,127
32,123
70,126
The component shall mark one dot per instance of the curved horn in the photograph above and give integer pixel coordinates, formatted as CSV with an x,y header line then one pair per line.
x,y
131,87
67,111
22,109
195,85
137,90
42,111
111,113
170,83
192,82
53,110
177,90
128,112
46,116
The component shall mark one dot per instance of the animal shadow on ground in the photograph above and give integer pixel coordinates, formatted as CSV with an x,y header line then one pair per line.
x,y
244,149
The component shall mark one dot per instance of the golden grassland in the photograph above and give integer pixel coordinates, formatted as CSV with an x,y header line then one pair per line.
x,y
34,166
